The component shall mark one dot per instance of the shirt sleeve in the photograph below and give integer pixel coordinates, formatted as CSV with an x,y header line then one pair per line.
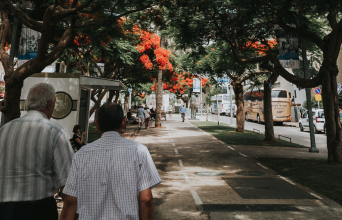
x,y
71,184
62,158
149,176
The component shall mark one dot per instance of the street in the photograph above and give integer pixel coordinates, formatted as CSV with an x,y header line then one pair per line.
x,y
294,133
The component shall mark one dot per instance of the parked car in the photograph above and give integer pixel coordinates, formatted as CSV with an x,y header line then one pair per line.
x,y
318,121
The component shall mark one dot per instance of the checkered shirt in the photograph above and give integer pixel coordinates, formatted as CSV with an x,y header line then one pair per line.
x,y
107,175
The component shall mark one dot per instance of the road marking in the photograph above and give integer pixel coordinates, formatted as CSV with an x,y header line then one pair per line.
x,y
173,144
232,148
215,138
287,180
171,140
196,197
317,196
222,142
180,163
176,151
266,168
243,154
186,178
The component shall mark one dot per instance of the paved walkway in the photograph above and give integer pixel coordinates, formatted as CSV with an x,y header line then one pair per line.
x,y
180,149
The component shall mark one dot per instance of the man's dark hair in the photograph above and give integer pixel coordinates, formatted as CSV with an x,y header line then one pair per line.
x,y
76,127
110,117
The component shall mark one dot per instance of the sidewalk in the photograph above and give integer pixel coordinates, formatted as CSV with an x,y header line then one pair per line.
x,y
204,178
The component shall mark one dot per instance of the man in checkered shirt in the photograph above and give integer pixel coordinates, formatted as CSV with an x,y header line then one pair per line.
x,y
112,177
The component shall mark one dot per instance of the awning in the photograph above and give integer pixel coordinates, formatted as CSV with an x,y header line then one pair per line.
x,y
99,83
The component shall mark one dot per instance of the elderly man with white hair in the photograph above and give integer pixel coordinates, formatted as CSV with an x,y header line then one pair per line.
x,y
35,159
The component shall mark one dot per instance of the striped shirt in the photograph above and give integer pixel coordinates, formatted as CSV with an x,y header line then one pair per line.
x,y
35,158
107,175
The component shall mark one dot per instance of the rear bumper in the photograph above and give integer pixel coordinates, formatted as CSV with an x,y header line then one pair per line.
x,y
282,118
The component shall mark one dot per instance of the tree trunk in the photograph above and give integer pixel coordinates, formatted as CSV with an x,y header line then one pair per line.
x,y
332,118
268,117
111,96
240,113
117,95
159,99
207,106
11,103
97,102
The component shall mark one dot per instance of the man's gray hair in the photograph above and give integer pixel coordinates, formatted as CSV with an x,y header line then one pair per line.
x,y
39,96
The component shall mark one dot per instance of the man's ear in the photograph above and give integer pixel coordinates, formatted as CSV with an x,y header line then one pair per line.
x,y
123,124
97,125
50,105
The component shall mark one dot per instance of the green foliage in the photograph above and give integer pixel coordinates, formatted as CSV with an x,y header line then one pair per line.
x,y
2,88
314,103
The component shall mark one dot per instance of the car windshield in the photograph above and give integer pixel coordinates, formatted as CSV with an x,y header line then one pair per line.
x,y
321,115
279,94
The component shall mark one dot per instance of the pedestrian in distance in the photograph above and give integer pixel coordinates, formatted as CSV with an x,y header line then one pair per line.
x,y
147,117
77,138
140,115
110,178
183,110
35,159
170,111
153,114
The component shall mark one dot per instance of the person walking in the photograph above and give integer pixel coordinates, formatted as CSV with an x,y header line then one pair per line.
x,y
170,111
147,117
35,159
140,115
110,178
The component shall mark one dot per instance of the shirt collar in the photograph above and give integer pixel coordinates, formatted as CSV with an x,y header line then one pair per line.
x,y
111,134
36,113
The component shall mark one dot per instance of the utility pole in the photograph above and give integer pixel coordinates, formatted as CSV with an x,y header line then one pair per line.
x,y
201,104
218,109
231,105
313,148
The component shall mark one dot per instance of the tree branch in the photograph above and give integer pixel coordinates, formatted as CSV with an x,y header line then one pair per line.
x,y
21,16
332,19
61,12
300,82
304,33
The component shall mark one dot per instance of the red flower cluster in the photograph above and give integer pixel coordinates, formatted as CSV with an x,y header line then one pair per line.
x,y
146,61
261,48
180,83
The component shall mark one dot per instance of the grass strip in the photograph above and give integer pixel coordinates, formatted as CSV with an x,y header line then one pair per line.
x,y
317,175
227,134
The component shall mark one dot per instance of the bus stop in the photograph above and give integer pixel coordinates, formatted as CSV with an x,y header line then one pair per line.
x,y
72,97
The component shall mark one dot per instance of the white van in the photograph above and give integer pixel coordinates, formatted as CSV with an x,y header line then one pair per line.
x,y
318,121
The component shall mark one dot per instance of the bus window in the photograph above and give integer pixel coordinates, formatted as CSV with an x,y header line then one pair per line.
x,y
279,94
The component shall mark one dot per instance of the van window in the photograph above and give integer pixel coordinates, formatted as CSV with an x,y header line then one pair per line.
x,y
321,115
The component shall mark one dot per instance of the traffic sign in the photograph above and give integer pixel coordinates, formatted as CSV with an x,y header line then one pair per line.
x,y
130,90
317,90
318,98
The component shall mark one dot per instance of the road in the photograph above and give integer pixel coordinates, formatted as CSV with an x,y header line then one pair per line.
x,y
294,133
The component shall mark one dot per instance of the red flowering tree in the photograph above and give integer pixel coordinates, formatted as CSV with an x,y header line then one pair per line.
x,y
181,85
158,61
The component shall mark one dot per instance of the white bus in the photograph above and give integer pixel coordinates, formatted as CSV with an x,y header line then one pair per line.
x,y
223,101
